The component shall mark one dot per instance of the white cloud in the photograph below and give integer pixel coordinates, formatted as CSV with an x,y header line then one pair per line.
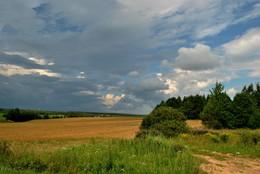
x,y
10,70
133,73
186,82
198,58
19,53
89,92
231,92
38,61
245,46
110,99
165,63
250,68
81,75
27,55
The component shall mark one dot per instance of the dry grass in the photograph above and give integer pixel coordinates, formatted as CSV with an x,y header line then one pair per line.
x,y
195,123
75,128
70,128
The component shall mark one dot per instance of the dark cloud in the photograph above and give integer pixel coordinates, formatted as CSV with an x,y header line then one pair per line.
x,y
19,60
108,47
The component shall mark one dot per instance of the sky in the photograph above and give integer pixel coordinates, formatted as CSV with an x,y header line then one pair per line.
x,y
124,56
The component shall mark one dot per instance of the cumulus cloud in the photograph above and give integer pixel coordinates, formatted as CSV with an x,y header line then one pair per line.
x,y
198,58
55,50
244,47
110,99
186,82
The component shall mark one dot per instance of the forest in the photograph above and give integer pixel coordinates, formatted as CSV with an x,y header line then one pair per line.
x,y
217,110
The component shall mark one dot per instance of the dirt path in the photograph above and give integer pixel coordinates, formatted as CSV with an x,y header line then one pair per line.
x,y
230,164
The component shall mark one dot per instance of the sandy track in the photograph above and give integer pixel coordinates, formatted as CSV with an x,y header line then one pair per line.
x,y
70,128
232,164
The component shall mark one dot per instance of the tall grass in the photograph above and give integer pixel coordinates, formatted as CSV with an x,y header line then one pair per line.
x,y
150,155
239,142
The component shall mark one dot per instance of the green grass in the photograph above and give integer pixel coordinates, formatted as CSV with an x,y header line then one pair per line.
x,y
239,142
151,155
2,119
154,154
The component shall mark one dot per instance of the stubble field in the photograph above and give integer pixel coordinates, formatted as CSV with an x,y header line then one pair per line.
x,y
71,128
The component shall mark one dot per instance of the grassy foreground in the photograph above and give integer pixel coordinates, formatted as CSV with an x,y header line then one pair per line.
x,y
153,154
150,155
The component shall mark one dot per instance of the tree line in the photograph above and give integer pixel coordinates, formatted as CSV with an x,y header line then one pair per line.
x,y
217,110
21,115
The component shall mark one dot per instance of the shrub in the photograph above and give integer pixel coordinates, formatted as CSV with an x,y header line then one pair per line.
x,y
161,114
170,128
248,138
142,134
166,121
214,138
224,137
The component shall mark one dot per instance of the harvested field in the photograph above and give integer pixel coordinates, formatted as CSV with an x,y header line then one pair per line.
x,y
70,128
195,123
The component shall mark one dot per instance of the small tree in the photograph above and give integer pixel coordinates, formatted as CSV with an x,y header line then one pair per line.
x,y
193,106
216,113
13,114
243,107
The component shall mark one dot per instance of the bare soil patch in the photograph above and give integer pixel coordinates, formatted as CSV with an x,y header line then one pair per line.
x,y
231,164
71,128
195,123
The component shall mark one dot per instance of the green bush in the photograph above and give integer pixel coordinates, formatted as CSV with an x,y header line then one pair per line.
x,y
248,138
164,120
224,137
161,114
213,137
170,128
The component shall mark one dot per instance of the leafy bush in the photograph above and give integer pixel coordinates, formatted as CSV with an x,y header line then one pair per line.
x,y
170,128
164,120
248,138
224,137
213,137
162,114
